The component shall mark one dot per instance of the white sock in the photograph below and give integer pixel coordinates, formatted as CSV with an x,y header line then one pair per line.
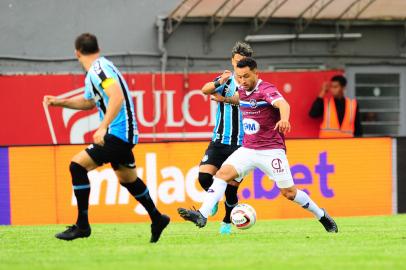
x,y
304,201
213,195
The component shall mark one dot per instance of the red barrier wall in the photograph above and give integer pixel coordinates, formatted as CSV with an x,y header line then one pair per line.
x,y
173,101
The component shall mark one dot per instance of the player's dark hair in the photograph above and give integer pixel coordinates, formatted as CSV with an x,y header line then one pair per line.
x,y
86,43
247,62
242,48
340,79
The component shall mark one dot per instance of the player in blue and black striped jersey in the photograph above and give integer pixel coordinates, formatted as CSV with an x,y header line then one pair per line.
x,y
106,89
228,133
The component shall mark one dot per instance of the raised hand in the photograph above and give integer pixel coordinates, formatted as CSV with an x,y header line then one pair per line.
x,y
324,89
225,76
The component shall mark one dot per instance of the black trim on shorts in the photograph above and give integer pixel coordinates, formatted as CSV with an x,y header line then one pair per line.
x,y
216,153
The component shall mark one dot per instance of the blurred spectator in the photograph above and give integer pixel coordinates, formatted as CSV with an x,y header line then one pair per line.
x,y
341,117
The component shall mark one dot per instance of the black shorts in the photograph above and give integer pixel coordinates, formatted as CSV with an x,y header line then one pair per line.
x,y
217,153
114,151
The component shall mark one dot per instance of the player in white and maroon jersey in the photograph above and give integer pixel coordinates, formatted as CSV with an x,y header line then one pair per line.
x,y
265,121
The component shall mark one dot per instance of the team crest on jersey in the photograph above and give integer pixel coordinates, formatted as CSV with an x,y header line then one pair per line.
x,y
253,103
226,89
250,126
97,67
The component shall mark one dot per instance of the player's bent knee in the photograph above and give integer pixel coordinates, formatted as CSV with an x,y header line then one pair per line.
x,y
207,168
227,173
205,179
234,183
84,160
76,159
77,170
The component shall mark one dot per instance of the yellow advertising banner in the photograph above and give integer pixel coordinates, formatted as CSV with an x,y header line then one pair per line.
x,y
349,177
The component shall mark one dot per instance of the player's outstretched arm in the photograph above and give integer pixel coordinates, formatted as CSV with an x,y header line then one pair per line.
x,y
116,98
210,87
76,103
283,125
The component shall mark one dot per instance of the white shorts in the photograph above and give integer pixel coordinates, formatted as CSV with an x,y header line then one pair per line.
x,y
272,162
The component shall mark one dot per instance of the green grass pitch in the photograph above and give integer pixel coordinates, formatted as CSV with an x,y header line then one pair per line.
x,y
362,243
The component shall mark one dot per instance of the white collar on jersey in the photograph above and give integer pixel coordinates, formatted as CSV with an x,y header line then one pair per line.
x,y
255,89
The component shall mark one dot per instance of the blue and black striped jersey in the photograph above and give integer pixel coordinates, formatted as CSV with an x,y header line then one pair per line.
x,y
228,128
124,126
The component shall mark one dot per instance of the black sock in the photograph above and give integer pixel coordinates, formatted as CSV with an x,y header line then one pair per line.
x,y
81,188
230,202
140,192
205,180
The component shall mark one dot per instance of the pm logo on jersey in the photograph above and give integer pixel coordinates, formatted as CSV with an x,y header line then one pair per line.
x,y
250,126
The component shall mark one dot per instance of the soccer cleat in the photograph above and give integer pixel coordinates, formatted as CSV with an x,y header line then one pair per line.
x,y
214,210
158,227
225,228
73,232
194,216
328,222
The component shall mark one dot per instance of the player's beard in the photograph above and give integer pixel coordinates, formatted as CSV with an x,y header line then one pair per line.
x,y
250,89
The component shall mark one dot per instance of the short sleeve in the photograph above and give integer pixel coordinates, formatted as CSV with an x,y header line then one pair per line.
x,y
100,72
271,95
88,89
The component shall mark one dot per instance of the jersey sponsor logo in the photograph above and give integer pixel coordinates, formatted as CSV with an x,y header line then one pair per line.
x,y
250,126
252,112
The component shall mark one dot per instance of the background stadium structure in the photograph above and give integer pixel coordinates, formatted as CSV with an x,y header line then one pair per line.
x,y
365,38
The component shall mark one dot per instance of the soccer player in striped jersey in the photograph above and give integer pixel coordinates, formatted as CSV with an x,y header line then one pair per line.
x,y
227,135
106,89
